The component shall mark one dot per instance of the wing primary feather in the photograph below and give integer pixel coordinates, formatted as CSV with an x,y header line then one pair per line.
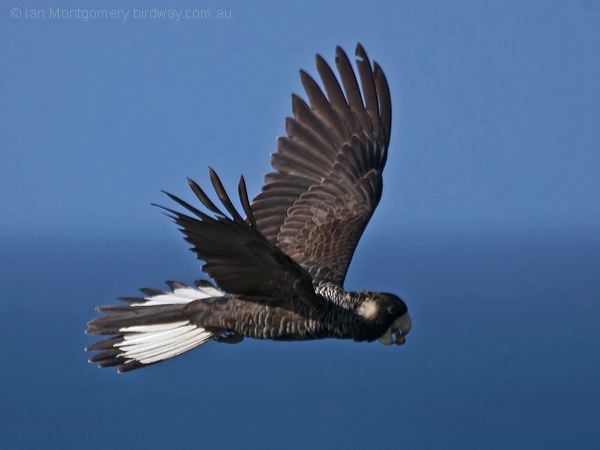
x,y
385,102
368,87
335,94
319,103
351,86
243,194
185,204
305,115
170,216
332,86
222,194
174,215
207,202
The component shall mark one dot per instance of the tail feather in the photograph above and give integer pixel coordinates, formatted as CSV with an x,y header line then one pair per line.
x,y
150,329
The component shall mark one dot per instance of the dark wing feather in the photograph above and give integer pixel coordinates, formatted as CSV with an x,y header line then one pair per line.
x,y
328,169
236,255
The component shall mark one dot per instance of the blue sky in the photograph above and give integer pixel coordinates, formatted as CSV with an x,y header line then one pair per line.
x,y
488,227
496,108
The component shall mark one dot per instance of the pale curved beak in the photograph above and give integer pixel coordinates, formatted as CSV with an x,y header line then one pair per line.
x,y
396,334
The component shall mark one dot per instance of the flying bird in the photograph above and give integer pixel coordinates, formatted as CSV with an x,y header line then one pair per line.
x,y
278,268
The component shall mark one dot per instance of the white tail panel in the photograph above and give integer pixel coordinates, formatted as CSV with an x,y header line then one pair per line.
x,y
149,343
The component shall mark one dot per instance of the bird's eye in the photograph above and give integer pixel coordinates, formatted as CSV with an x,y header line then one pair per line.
x,y
392,310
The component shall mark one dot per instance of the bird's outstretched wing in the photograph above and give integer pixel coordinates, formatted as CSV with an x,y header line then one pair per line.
x,y
238,257
328,170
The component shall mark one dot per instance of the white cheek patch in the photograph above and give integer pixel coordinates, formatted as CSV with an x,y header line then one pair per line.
x,y
368,309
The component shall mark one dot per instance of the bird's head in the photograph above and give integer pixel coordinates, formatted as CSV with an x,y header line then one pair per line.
x,y
386,313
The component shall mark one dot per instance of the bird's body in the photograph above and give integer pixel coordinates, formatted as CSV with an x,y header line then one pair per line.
x,y
280,270
266,318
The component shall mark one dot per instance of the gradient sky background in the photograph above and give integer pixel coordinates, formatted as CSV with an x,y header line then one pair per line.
x,y
488,227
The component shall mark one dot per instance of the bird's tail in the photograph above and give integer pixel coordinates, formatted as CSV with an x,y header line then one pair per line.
x,y
152,328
